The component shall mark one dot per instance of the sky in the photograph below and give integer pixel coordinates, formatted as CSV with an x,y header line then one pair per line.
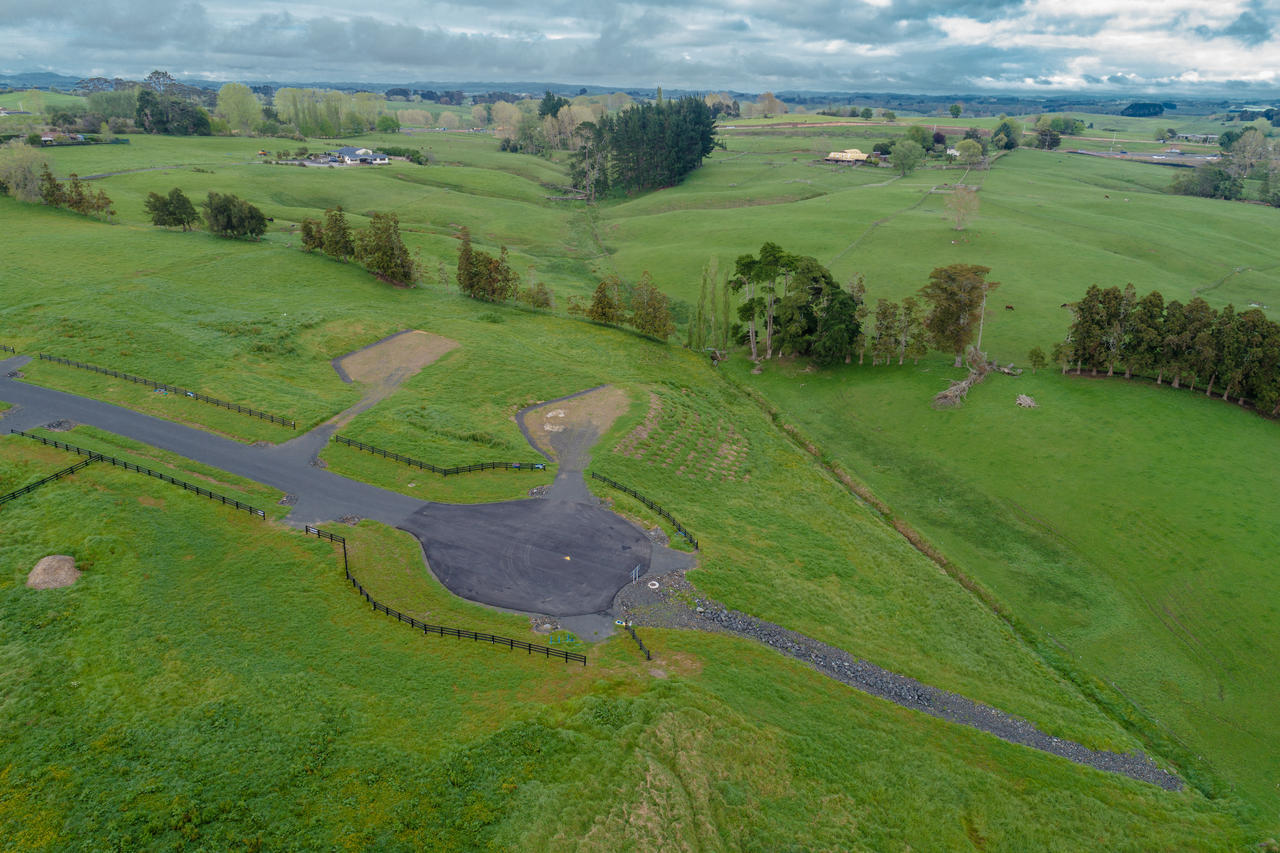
x,y
1035,47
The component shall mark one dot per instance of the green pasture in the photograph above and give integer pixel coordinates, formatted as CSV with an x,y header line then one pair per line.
x,y
1132,525
1126,526
213,681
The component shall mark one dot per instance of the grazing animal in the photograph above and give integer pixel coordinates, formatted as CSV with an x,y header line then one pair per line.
x,y
1008,307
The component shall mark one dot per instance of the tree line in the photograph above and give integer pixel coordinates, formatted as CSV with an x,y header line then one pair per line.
x,y
73,195
379,248
1238,353
642,147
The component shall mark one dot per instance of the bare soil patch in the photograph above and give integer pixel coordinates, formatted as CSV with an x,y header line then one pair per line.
x,y
397,357
384,365
54,571
593,412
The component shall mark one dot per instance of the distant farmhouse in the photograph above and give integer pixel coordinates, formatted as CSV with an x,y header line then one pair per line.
x,y
849,155
353,156
1207,138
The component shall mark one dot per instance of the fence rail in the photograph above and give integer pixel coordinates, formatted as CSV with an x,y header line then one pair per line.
x,y
639,642
650,504
56,475
175,389
427,466
440,630
95,456
4,348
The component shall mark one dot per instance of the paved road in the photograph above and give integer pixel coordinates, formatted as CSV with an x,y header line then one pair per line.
x,y
510,554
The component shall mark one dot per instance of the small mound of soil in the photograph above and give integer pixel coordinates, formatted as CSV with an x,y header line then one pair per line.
x,y
54,571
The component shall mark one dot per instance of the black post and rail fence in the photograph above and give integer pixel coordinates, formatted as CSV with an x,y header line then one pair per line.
x,y
173,389
427,466
95,456
639,642
440,630
56,475
650,504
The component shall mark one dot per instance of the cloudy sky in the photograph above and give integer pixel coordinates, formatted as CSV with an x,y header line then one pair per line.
x,y
946,46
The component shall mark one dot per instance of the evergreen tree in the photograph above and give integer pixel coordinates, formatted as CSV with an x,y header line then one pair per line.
x,y
52,192
839,327
312,235
181,211
382,251
606,303
957,296
231,216
336,234
1144,347
651,309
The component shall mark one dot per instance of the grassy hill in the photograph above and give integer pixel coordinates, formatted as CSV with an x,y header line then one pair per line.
x,y
1110,522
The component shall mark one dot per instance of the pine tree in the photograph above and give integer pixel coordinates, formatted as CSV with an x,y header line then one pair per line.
x,y
382,251
338,242
606,304
888,324
52,192
312,235
651,309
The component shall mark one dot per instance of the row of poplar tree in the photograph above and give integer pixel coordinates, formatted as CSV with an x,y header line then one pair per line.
x,y
1234,354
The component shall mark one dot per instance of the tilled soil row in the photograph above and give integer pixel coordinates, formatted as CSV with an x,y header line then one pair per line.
x,y
675,604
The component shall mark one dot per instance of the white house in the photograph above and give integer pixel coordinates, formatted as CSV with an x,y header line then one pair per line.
x,y
350,155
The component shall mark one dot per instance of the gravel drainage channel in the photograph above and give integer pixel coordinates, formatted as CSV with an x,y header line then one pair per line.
x,y
675,603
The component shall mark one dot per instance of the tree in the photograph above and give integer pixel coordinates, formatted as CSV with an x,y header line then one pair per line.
x,y
651,309
239,106
1036,359
913,337
962,206
551,104
468,276
1048,139
866,113
917,134
312,235
1144,346
957,297
1010,131
172,210
906,156
970,151
388,123
1208,180
769,104
336,235
18,175
888,115
231,216
606,303
956,109
52,192
888,326
382,251
839,326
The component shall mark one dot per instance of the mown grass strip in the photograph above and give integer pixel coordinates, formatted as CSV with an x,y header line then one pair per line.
x,y
174,389
130,466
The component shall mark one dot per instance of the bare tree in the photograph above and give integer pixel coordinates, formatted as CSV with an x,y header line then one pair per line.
x,y
962,206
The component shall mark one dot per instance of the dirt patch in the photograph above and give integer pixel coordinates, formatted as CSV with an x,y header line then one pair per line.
x,y
147,500
397,357
54,571
384,365
593,412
